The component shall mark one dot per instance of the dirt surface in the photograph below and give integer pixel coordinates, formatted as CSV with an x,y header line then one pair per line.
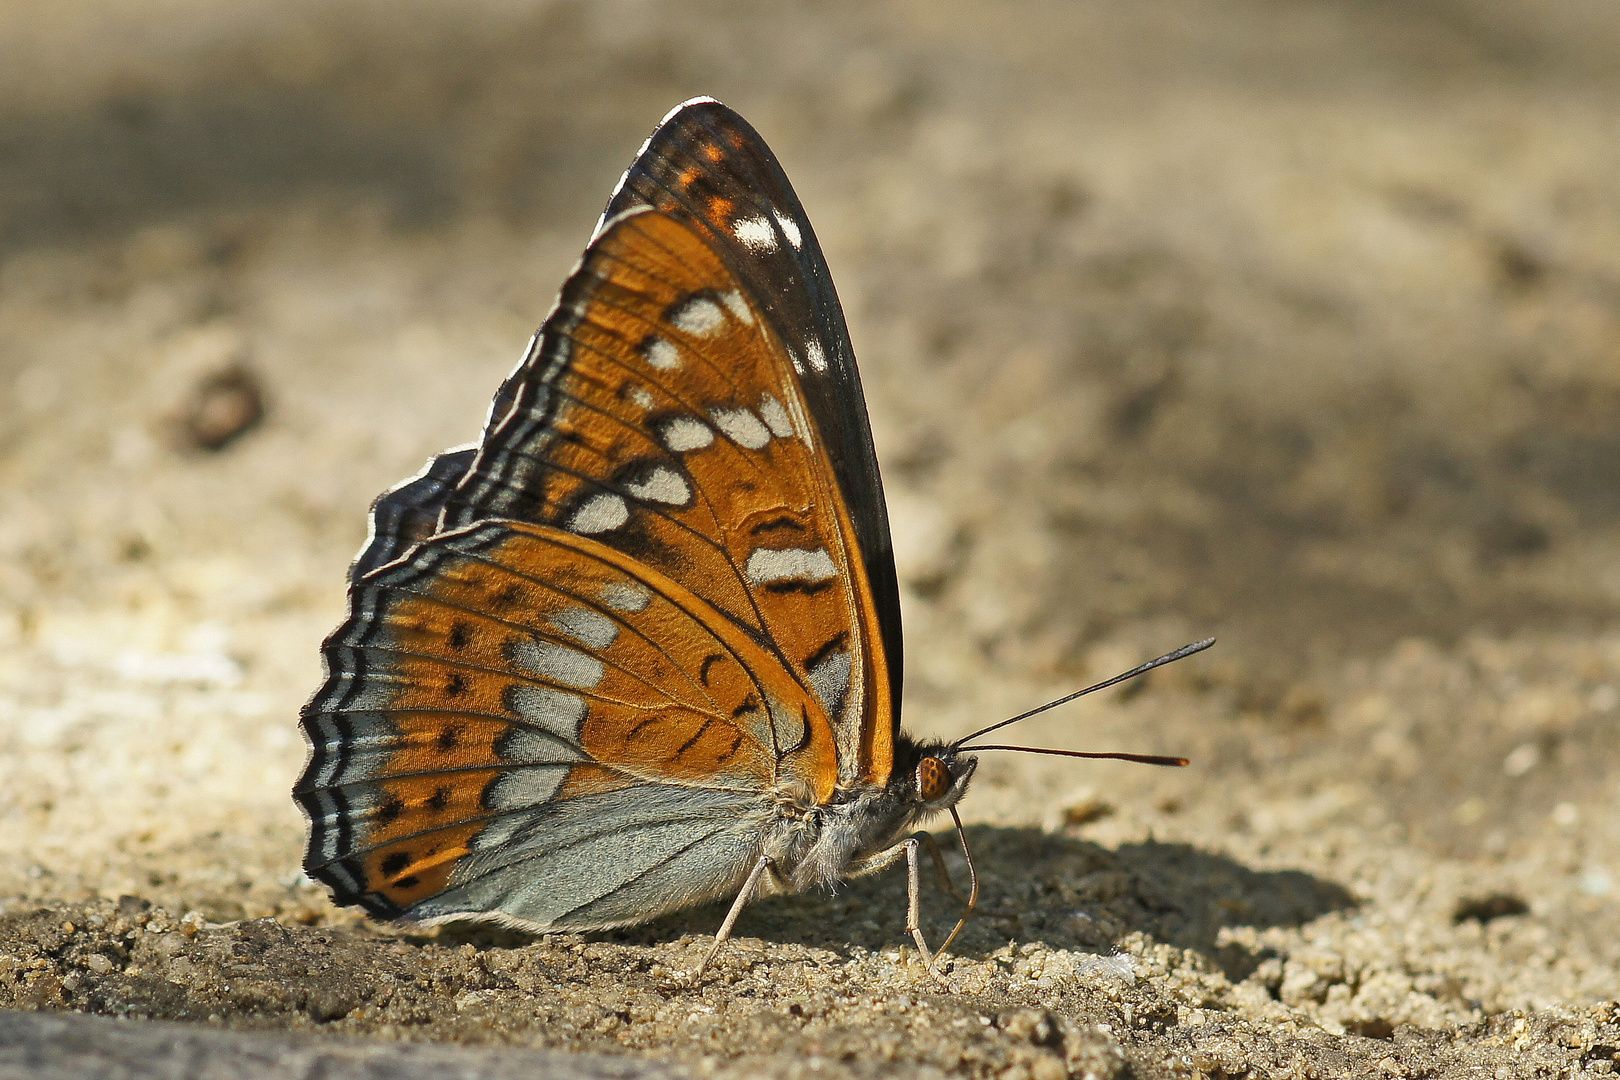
x,y
81,1046
1296,323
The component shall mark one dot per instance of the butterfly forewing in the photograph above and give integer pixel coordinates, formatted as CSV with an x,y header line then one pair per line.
x,y
706,166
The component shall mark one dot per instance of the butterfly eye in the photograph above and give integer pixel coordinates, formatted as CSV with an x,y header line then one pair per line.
x,y
933,779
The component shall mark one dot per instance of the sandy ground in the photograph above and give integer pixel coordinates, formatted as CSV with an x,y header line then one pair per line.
x,y
1293,323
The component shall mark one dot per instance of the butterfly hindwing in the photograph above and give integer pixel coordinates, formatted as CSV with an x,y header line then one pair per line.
x,y
502,672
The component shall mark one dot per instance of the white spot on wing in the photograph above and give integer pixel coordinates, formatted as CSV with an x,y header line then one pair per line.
x,y
373,695
624,597
664,485
363,799
790,229
662,354
599,513
776,417
524,747
737,306
755,232
698,316
640,395
814,353
361,730
560,663
792,564
523,788
587,627
555,711
684,433
741,427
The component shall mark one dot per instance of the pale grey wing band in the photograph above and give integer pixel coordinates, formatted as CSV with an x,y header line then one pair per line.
x,y
607,859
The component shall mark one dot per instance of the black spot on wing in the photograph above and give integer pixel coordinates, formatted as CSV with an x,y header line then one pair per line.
x,y
707,666
731,753
708,722
786,523
808,588
636,541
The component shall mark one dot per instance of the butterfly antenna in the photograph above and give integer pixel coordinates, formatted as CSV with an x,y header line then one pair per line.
x,y
1140,759
1167,658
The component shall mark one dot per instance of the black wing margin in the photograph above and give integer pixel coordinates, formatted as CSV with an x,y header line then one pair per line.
x,y
708,167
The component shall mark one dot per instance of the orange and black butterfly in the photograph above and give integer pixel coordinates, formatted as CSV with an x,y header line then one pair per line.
x,y
640,648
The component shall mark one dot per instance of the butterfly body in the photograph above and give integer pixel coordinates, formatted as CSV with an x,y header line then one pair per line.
x,y
640,647
855,833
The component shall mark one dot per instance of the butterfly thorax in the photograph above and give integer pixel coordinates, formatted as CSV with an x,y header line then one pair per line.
x,y
818,845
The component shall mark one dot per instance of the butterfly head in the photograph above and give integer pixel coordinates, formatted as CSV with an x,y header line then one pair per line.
x,y
931,776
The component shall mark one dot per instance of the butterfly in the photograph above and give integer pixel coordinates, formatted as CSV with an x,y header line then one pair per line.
x,y
639,648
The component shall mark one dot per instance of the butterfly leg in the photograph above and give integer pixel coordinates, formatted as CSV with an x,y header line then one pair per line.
x,y
969,902
913,892
743,896
908,848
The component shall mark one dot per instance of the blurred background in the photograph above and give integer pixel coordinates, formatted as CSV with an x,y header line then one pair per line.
x,y
1293,322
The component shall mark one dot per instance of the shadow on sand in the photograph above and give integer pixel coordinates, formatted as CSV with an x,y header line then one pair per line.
x,y
1035,886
